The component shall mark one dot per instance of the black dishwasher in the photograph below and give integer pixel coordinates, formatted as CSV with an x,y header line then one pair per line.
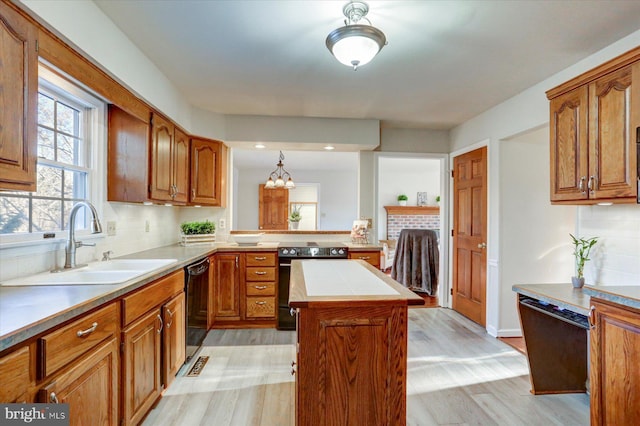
x,y
197,294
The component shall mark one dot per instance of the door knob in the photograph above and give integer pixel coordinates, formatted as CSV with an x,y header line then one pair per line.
x,y
482,245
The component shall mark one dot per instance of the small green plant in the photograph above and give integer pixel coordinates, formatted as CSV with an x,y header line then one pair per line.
x,y
402,197
437,198
198,228
295,215
581,249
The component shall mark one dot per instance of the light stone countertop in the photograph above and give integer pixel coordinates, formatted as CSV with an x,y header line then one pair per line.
x,y
28,311
622,295
561,295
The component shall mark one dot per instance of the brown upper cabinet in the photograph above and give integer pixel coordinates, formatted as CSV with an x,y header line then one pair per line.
x,y
208,172
169,165
18,103
593,123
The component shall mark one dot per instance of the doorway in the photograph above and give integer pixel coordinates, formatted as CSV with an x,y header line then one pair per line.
x,y
469,287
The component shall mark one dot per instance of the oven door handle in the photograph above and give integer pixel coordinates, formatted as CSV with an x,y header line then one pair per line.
x,y
286,265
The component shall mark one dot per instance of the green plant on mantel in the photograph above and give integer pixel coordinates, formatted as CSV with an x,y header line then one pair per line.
x,y
402,197
581,249
198,228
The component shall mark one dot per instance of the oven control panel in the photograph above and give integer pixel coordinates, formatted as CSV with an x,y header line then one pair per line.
x,y
311,252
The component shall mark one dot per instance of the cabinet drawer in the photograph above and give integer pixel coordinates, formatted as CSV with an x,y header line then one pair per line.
x,y
66,344
261,307
15,375
261,259
261,274
371,257
261,289
151,296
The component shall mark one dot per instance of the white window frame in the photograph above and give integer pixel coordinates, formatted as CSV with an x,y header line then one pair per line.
x,y
55,81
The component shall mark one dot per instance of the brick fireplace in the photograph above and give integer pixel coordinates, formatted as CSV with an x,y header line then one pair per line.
x,y
411,217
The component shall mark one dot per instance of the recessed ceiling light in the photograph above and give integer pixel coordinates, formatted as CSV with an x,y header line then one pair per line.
x,y
260,146
329,147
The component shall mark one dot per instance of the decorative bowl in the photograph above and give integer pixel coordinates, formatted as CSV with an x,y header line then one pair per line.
x,y
247,239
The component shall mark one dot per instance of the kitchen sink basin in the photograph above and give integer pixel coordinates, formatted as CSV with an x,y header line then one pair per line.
x,y
110,272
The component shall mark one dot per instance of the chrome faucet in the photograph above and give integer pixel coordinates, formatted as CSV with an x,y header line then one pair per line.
x,y
72,244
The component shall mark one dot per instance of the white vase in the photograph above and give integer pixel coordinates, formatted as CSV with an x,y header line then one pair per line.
x,y
402,202
294,225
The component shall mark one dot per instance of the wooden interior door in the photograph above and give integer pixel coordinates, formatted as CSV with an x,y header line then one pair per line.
x,y
273,208
470,234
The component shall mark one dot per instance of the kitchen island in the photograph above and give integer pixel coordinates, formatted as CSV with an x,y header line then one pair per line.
x,y
351,365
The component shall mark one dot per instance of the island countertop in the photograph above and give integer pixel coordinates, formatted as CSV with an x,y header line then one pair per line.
x,y
622,295
353,282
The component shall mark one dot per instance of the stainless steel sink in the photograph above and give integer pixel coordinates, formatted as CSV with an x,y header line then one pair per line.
x,y
115,271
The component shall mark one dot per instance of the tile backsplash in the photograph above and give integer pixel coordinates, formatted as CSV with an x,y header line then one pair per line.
x,y
131,236
615,259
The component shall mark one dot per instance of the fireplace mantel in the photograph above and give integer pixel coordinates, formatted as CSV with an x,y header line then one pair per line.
x,y
412,210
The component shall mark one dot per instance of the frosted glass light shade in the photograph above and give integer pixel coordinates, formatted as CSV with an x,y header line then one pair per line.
x,y
355,45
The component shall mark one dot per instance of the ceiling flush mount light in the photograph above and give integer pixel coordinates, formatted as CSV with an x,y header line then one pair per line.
x,y
329,147
278,176
355,44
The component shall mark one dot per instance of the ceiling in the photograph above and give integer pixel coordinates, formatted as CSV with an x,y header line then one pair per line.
x,y
445,62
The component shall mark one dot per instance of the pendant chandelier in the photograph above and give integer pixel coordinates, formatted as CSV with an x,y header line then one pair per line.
x,y
278,176
355,44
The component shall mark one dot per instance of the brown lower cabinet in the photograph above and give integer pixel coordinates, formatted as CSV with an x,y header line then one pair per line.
x,y
89,386
174,345
615,371
16,376
371,257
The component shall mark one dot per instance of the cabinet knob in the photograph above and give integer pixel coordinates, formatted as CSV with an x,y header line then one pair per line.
x,y
292,311
53,398
482,245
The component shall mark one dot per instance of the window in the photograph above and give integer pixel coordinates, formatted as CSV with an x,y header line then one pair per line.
x,y
65,170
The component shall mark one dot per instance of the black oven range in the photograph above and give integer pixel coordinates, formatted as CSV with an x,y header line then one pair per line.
x,y
299,250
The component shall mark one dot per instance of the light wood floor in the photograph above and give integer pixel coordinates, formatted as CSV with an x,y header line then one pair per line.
x,y
457,375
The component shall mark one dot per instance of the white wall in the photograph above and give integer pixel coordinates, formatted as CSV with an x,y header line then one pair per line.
x,y
414,140
615,259
404,175
530,254
524,112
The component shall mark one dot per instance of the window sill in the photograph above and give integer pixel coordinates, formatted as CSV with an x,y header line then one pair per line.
x,y
40,245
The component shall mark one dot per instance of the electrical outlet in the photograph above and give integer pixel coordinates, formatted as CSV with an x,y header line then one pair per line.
x,y
147,225
111,228
223,223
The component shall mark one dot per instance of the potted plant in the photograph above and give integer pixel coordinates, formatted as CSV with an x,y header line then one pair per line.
x,y
294,218
437,199
581,249
197,232
402,199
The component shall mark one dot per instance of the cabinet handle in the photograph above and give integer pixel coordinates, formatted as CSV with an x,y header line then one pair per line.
x,y
170,317
581,184
365,257
261,273
592,183
260,258
161,324
193,194
592,320
261,302
53,398
292,311
88,330
260,287
236,261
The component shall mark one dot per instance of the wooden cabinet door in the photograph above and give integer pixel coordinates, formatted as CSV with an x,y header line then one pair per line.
x,y
161,176
141,366
174,345
208,172
612,134
128,155
90,387
15,376
180,167
226,287
371,257
18,101
273,208
615,371
569,151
